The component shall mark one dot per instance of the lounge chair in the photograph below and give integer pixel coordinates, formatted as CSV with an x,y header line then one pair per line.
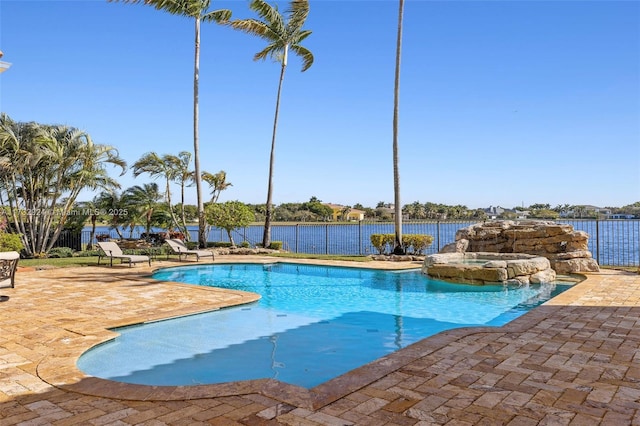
x,y
111,250
181,249
8,266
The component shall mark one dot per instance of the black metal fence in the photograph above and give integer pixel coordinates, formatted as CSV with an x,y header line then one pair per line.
x,y
611,242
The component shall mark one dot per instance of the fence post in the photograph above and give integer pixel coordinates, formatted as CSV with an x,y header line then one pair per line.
x,y
438,235
326,238
297,227
598,240
360,237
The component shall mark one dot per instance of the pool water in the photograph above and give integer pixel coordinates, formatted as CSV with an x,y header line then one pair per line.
x,y
313,323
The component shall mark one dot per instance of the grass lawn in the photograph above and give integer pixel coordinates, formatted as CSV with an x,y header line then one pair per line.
x,y
61,262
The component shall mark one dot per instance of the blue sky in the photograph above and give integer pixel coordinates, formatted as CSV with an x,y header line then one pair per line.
x,y
502,102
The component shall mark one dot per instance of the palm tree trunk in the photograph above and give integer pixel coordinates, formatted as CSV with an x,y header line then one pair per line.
x,y
196,143
184,229
398,249
266,239
174,219
92,235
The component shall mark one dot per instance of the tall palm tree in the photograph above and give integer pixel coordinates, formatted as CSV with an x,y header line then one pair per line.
x,y
199,11
398,247
282,36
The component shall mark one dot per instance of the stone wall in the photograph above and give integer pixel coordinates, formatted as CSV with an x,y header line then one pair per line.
x,y
489,268
566,249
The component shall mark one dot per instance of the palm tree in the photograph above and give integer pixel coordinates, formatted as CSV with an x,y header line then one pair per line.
x,y
145,198
48,168
217,183
282,36
184,177
156,166
398,247
113,206
199,11
345,213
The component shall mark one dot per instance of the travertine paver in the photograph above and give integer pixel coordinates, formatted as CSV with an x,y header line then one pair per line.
x,y
573,361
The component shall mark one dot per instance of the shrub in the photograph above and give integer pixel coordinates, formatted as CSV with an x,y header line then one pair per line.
x,y
377,240
384,242
61,252
87,253
381,241
245,244
419,242
221,244
275,245
10,242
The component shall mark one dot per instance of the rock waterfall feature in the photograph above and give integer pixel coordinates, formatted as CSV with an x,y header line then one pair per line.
x,y
512,251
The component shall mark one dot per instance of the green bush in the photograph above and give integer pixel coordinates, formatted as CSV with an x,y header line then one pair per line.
x,y
377,240
275,245
10,242
87,253
61,252
381,241
245,244
191,245
221,244
418,242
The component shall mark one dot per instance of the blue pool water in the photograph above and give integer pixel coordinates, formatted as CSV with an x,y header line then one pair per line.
x,y
313,323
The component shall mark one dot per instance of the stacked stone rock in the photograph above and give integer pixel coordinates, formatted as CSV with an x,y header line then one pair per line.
x,y
489,268
566,249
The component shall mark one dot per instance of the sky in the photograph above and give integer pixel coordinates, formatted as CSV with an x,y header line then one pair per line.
x,y
503,103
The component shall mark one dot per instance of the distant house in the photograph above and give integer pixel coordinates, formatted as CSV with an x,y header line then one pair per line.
x,y
598,210
622,216
338,212
495,212
389,210
586,211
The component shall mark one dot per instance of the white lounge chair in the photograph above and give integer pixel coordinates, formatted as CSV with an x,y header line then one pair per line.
x,y
111,250
8,266
181,249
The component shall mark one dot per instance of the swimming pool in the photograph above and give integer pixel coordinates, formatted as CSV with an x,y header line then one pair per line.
x,y
313,323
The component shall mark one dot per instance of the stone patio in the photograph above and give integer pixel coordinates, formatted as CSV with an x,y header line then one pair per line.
x,y
574,361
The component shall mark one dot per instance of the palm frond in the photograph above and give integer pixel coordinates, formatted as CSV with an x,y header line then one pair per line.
x,y
272,51
268,13
254,27
298,11
301,36
249,26
219,16
304,54
192,8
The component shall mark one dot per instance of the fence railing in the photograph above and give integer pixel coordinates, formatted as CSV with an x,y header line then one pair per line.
x,y
611,242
